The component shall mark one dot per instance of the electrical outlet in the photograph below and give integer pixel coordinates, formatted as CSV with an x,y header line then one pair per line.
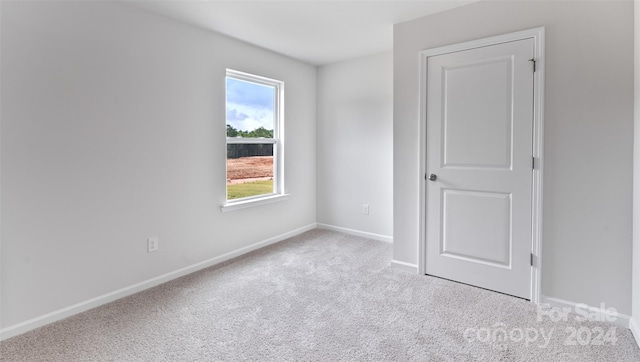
x,y
152,244
365,209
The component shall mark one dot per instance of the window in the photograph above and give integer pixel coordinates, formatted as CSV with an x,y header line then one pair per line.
x,y
254,138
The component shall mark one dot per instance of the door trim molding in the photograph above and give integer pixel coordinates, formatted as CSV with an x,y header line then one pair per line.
x,y
537,34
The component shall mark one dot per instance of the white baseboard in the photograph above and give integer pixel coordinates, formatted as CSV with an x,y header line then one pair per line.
x,y
616,319
635,330
364,234
401,265
57,315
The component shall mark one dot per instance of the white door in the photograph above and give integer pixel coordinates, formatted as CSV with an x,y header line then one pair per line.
x,y
479,165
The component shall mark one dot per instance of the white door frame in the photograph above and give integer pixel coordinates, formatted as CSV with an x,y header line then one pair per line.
x,y
537,34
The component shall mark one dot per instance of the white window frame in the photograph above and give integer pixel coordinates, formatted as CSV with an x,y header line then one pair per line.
x,y
277,142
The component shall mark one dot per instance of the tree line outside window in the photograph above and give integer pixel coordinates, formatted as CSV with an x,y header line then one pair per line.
x,y
238,150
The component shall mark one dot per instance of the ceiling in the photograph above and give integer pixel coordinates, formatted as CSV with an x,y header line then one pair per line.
x,y
317,32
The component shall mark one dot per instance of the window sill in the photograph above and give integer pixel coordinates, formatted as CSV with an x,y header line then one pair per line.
x,y
237,205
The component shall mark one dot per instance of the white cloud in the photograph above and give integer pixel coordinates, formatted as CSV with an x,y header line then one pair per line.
x,y
252,117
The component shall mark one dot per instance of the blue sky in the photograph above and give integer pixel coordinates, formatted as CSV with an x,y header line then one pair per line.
x,y
249,105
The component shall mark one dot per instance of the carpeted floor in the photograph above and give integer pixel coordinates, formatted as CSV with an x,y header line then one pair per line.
x,y
319,296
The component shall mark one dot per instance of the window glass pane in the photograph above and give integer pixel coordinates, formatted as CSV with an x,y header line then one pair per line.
x,y
250,109
249,170
254,148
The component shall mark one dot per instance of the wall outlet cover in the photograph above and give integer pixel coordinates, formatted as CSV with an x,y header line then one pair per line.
x,y
152,244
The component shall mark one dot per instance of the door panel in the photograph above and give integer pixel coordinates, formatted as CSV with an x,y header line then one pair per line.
x,y
479,144
485,215
467,142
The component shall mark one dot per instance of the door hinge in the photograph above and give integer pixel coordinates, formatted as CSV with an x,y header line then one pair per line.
x,y
531,259
534,64
533,163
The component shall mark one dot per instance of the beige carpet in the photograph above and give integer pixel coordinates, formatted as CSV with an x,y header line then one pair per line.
x,y
318,296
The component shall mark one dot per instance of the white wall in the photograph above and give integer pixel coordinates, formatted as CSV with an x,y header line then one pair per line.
x,y
355,144
635,323
113,130
588,136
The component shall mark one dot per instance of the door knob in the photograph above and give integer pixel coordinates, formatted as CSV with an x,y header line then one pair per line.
x,y
433,177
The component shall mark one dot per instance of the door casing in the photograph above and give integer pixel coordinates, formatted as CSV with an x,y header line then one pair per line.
x,y
537,34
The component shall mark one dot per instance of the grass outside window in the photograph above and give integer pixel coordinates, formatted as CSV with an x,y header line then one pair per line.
x,y
248,189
